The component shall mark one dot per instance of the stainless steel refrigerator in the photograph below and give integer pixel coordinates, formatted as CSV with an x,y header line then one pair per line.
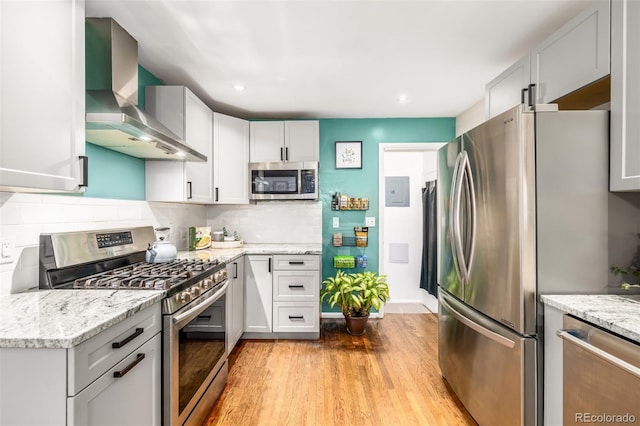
x,y
522,212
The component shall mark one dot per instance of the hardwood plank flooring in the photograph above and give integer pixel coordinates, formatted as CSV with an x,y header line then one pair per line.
x,y
389,376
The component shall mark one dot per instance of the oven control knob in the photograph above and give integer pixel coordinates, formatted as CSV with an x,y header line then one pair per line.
x,y
223,275
195,292
206,284
185,297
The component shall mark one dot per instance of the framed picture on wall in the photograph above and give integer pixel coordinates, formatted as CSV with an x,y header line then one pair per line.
x,y
349,155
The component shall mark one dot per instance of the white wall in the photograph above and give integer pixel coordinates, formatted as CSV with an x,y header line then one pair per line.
x,y
270,221
403,225
23,217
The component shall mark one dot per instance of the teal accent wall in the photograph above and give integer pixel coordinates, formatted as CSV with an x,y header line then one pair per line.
x,y
364,182
116,175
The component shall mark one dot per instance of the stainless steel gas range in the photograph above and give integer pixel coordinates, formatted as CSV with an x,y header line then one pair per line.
x,y
194,308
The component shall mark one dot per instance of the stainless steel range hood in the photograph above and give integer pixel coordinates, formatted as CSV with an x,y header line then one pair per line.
x,y
113,119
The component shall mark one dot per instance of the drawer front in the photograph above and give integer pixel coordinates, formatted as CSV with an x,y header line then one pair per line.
x,y
296,261
296,286
90,359
133,399
296,317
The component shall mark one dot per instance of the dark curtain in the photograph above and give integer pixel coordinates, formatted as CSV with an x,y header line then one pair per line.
x,y
428,277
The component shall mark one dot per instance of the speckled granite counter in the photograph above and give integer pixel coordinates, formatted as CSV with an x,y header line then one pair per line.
x,y
66,318
228,255
620,314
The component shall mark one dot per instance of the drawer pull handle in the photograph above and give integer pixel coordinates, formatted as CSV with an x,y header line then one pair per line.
x,y
121,373
118,345
204,316
296,317
296,262
296,286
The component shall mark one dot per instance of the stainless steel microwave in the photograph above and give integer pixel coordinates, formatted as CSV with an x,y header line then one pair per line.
x,y
283,181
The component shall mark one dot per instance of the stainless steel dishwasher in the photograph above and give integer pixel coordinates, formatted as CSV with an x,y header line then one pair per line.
x,y
601,375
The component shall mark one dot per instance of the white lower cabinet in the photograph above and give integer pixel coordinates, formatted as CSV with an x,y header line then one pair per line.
x,y
131,398
258,294
282,296
114,378
235,296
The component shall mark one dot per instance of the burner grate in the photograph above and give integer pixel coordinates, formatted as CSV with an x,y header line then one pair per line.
x,y
143,275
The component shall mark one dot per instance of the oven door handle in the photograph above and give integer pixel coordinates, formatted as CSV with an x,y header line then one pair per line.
x,y
570,337
188,316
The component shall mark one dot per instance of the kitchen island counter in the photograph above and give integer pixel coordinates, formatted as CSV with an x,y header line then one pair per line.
x,y
617,313
66,318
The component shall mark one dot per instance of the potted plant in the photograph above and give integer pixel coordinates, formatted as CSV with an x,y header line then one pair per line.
x,y
629,273
355,294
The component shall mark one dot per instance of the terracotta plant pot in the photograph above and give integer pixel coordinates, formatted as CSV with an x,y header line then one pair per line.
x,y
356,326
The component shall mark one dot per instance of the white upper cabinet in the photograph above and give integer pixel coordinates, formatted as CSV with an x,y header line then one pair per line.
x,y
284,141
574,56
625,96
506,90
42,79
230,160
302,140
190,119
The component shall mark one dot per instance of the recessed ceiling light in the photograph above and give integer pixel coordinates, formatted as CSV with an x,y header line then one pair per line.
x,y
402,99
240,87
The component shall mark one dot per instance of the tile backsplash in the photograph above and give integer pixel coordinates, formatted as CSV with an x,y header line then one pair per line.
x,y
23,217
270,221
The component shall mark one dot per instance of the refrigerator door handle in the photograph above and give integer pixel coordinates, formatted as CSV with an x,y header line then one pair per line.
x,y
471,217
454,216
478,328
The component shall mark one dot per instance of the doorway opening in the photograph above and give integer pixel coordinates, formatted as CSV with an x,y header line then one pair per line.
x,y
403,170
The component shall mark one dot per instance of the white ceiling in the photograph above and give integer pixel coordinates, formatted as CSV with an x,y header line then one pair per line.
x,y
335,59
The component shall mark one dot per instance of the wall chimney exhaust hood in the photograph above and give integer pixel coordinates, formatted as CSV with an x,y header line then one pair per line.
x,y
113,119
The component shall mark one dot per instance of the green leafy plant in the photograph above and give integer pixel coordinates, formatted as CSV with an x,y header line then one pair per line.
x,y
355,293
631,270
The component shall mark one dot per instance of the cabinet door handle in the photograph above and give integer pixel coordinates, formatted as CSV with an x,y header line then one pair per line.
x,y
532,94
269,264
522,94
118,345
216,199
296,286
121,373
85,171
296,262
281,155
296,317
189,190
235,273
286,154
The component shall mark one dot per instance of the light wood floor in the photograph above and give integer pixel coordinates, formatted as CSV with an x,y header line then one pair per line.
x,y
389,376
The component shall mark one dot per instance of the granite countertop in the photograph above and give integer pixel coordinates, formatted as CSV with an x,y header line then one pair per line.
x,y
617,313
66,318
228,255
